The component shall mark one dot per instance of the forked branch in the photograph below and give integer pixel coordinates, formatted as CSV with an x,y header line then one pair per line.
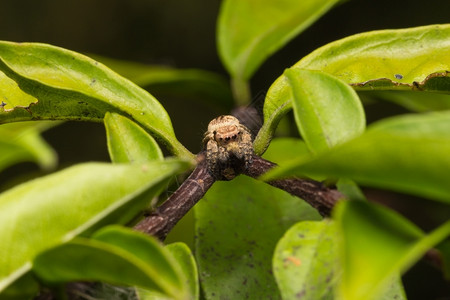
x,y
228,153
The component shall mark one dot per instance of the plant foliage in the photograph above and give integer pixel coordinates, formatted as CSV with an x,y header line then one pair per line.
x,y
252,240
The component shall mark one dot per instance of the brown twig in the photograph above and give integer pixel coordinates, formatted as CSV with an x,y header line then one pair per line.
x,y
315,193
163,219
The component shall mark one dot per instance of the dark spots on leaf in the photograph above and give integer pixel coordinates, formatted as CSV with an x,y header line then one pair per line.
x,y
93,81
300,294
329,277
252,242
398,76
85,113
3,104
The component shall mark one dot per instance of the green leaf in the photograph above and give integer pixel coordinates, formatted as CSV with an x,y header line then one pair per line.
x,y
394,290
271,118
116,255
407,153
21,142
128,142
146,249
327,111
183,255
377,245
304,262
25,287
144,294
412,58
371,60
12,96
207,87
350,190
285,150
43,213
238,225
186,260
70,86
250,31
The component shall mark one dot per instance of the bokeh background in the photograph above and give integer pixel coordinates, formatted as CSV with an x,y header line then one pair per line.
x,y
181,34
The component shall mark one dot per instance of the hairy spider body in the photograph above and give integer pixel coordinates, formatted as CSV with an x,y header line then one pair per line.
x,y
227,140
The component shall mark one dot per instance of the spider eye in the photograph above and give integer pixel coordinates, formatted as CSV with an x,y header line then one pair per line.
x,y
234,137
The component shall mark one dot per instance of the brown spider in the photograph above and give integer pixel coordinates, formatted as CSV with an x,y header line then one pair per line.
x,y
226,140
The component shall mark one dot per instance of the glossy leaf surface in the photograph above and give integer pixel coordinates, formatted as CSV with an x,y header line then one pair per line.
x,y
12,96
78,199
407,153
304,261
70,86
327,111
115,255
249,31
238,225
306,264
412,58
146,249
283,151
20,142
378,244
128,142
184,258
404,59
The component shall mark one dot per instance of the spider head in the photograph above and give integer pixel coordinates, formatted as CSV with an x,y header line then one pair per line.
x,y
227,134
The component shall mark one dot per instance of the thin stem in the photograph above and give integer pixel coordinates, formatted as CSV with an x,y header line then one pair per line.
x,y
160,222
241,91
313,192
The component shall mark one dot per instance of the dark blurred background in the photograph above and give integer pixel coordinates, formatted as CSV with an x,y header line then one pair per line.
x,y
181,34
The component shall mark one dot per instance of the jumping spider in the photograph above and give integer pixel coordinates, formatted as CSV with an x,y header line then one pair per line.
x,y
228,147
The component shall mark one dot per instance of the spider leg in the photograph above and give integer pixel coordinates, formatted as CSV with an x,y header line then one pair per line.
x,y
216,157
247,148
